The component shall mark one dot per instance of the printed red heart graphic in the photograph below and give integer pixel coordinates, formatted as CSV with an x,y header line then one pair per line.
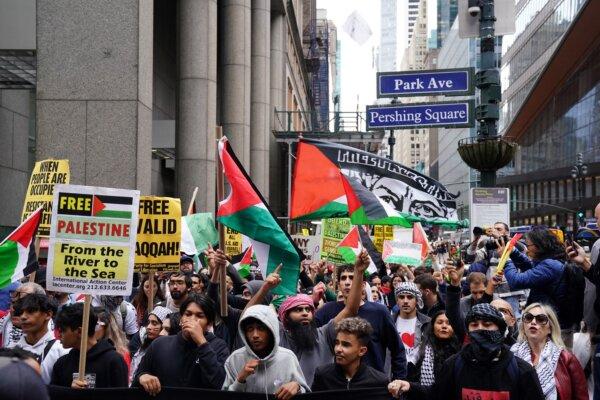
x,y
408,339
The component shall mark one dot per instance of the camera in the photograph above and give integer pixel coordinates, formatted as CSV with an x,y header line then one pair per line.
x,y
491,244
474,9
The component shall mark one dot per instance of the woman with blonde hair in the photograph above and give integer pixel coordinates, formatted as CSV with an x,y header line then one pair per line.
x,y
541,345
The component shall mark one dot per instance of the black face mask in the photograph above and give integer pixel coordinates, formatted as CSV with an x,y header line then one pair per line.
x,y
487,344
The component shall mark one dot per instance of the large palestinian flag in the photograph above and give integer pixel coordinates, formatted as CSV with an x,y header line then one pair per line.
x,y
17,251
318,189
245,211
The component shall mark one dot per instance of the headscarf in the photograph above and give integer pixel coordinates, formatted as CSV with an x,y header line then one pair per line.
x,y
161,313
410,288
485,312
293,302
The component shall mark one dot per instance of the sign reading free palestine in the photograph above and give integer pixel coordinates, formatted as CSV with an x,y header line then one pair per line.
x,y
92,240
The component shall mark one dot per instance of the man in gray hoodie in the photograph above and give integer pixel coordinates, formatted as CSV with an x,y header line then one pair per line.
x,y
261,366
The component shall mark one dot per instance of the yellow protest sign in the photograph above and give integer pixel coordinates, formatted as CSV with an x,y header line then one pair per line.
x,y
92,240
158,234
44,176
333,230
233,242
382,233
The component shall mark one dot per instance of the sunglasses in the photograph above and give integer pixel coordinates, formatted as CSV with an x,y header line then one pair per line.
x,y
541,319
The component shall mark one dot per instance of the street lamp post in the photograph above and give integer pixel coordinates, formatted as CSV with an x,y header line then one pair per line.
x,y
578,173
391,143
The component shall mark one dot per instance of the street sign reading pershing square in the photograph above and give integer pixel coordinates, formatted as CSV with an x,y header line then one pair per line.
x,y
449,114
447,82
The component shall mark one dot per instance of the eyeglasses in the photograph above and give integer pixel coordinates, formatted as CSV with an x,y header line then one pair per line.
x,y
541,319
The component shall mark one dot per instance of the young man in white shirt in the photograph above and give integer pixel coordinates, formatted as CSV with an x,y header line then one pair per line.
x,y
409,322
36,310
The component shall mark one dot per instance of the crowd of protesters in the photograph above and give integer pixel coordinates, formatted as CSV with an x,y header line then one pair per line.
x,y
455,327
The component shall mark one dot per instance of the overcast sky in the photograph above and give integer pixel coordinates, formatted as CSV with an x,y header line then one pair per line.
x,y
358,68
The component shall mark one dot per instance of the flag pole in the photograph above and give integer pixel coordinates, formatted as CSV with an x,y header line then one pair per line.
x,y
220,196
84,336
37,256
151,298
192,202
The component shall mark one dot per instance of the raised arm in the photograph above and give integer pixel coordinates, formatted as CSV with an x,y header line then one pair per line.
x,y
355,295
272,281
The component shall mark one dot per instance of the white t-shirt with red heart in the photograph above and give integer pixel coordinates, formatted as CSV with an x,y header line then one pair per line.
x,y
406,331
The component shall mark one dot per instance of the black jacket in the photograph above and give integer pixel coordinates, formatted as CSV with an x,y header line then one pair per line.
x,y
482,380
102,360
332,377
181,363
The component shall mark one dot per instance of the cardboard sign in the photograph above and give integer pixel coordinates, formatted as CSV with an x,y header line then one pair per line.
x,y
382,232
92,240
233,242
310,246
44,176
333,230
401,253
158,234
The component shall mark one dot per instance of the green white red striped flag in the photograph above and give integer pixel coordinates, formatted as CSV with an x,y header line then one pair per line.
x,y
17,251
246,211
243,267
351,246
111,206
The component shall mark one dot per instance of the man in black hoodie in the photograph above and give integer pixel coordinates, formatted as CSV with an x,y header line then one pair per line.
x,y
192,358
105,368
348,371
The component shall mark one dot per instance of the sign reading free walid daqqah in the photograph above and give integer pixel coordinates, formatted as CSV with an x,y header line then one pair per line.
x,y
92,240
45,175
158,234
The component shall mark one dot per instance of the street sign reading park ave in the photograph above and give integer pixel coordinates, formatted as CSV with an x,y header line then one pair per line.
x,y
447,82
449,114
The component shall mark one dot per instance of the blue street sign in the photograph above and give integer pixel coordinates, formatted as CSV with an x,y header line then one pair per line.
x,y
448,114
447,82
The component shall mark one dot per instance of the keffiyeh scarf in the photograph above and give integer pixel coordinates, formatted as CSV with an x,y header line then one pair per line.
x,y
545,367
427,367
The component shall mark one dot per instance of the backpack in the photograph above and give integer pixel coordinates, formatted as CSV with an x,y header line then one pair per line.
x,y
571,306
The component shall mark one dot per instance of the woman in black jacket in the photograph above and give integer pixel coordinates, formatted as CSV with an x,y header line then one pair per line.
x,y
439,343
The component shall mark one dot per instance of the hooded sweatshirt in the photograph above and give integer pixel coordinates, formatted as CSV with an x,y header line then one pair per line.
x,y
280,366
102,360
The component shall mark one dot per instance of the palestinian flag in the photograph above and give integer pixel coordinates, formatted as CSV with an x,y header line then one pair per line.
x,y
17,251
246,211
351,246
317,190
112,206
365,208
419,236
243,267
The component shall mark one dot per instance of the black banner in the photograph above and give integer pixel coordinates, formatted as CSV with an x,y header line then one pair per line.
x,y
406,190
63,393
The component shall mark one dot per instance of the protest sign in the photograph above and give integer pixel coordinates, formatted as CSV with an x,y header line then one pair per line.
x,y
382,232
158,234
401,253
233,242
333,230
92,240
44,176
310,246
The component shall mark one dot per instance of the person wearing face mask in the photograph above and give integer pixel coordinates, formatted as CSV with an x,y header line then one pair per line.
x,y
147,335
541,345
439,343
485,368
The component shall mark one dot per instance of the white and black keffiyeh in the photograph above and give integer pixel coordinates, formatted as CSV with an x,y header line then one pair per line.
x,y
427,367
545,367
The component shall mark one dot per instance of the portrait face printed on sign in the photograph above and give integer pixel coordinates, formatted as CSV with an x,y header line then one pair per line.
x,y
404,198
